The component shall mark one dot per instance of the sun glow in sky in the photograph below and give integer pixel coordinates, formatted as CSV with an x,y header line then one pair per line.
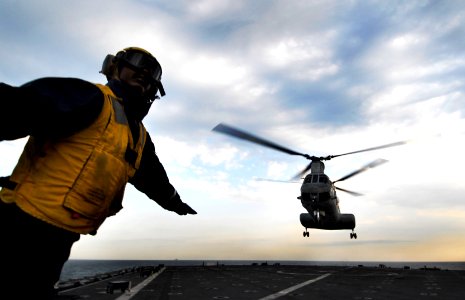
x,y
318,77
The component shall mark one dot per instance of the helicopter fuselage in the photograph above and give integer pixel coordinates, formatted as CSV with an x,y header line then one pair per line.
x,y
318,196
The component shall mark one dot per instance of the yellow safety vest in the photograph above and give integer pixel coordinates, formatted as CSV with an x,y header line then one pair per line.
x,y
76,182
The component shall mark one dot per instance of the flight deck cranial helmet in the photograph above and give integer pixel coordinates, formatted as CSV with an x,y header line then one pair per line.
x,y
138,59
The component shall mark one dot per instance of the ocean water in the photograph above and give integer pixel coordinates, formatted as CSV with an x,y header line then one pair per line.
x,y
82,268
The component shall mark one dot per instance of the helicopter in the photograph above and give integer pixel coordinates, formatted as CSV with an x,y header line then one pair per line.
x,y
317,192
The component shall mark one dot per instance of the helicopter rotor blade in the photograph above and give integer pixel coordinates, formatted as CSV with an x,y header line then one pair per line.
x,y
226,129
373,164
301,173
371,149
349,192
277,180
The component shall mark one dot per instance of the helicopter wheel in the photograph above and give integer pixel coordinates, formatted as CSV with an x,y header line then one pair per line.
x,y
353,235
306,233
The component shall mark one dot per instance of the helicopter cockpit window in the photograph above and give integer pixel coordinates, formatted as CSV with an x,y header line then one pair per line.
x,y
314,178
323,179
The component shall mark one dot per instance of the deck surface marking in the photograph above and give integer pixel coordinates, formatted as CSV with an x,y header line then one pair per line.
x,y
293,288
137,288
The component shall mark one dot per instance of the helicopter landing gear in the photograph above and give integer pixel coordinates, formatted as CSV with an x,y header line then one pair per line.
x,y
353,235
306,233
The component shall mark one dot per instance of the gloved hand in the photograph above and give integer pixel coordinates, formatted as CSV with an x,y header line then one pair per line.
x,y
175,204
184,209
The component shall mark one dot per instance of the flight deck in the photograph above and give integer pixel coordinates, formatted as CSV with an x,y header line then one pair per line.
x,y
266,282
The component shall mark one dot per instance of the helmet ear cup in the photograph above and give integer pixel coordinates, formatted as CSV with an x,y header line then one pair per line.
x,y
109,66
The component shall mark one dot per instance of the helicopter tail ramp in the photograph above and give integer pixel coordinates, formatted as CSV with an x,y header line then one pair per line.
x,y
344,221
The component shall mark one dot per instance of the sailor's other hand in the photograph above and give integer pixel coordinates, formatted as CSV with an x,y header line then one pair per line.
x,y
184,209
175,204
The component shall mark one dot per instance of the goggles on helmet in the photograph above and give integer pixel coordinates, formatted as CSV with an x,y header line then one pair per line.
x,y
142,61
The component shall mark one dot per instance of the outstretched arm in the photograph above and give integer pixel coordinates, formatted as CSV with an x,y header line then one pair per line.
x,y
151,179
48,107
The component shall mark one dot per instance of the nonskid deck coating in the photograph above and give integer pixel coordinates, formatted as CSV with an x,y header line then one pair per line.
x,y
282,282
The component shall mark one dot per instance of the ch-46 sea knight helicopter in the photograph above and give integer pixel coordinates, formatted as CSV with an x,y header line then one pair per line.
x,y
318,192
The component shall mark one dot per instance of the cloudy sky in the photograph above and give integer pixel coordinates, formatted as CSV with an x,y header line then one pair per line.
x,y
319,77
